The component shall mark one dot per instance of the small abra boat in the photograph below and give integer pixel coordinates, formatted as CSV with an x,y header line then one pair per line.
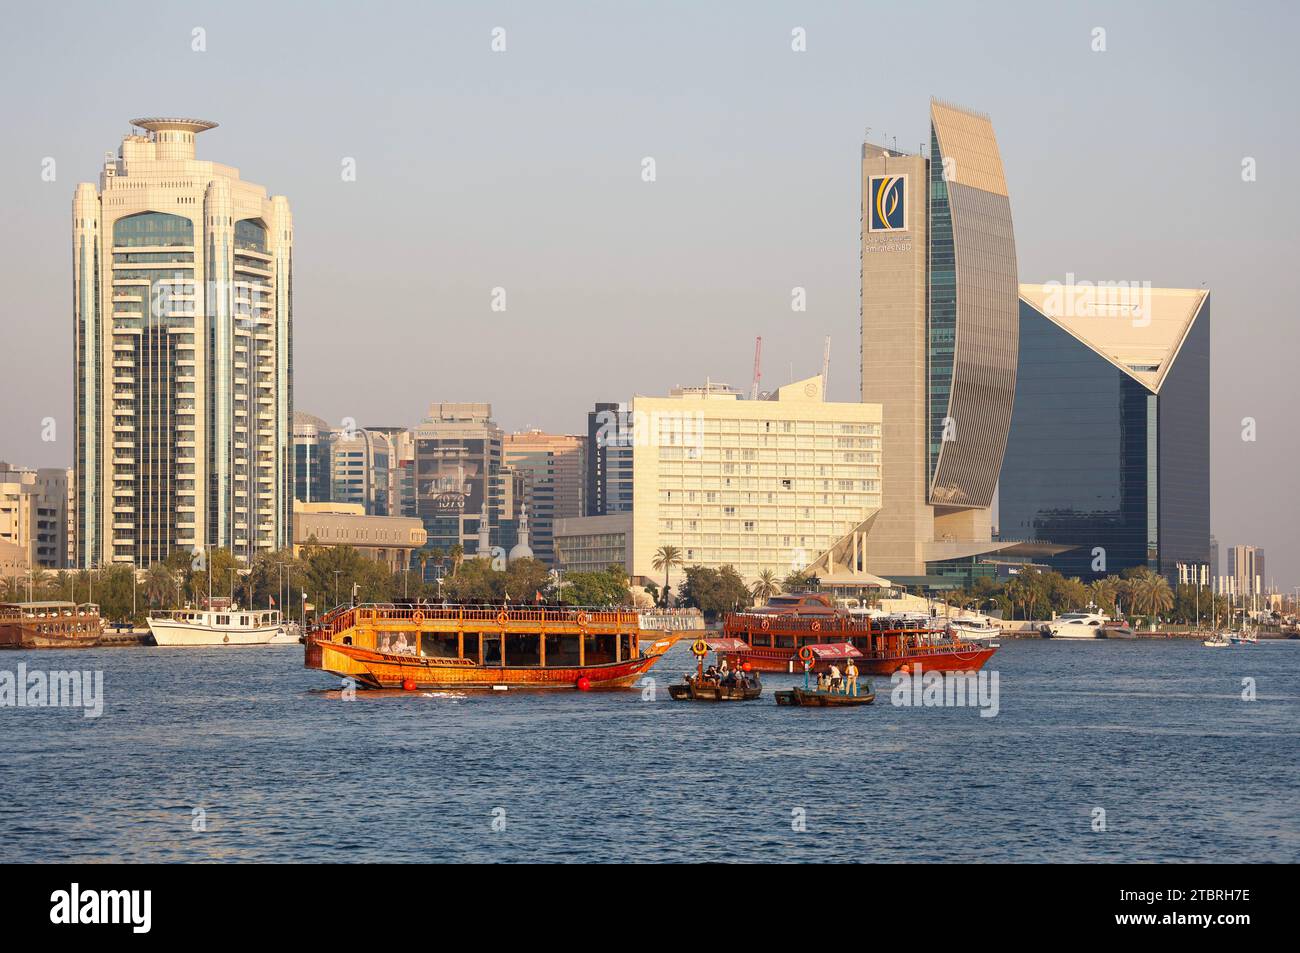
x,y
836,695
1216,641
736,686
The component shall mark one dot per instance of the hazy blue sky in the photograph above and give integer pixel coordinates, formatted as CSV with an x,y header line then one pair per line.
x,y
522,170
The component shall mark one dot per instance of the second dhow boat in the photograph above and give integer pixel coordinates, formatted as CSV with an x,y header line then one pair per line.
x,y
216,627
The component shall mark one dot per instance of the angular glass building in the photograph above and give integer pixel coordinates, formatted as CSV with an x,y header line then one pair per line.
x,y
1109,450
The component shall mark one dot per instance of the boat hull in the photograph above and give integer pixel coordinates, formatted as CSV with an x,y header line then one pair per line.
x,y
689,691
373,669
799,698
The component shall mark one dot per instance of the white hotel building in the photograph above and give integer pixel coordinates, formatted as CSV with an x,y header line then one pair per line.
x,y
781,483
182,283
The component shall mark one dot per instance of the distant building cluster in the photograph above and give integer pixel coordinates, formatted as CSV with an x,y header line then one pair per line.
x,y
1081,410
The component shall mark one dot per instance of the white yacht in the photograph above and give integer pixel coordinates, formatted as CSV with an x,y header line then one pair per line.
x,y
229,626
973,629
1078,625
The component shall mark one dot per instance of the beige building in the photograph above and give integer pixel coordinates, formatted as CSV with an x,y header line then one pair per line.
x,y
34,516
556,468
386,539
182,327
939,340
756,484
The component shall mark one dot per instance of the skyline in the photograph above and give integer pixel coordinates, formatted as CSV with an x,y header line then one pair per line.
x,y
533,184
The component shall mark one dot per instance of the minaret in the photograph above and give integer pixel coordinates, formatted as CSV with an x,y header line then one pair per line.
x,y
484,535
521,549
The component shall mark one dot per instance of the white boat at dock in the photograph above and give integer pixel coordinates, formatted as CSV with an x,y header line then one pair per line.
x,y
226,626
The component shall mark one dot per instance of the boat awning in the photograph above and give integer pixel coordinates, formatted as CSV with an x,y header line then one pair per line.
x,y
726,645
836,650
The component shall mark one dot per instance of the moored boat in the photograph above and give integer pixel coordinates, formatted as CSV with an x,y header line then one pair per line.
x,y
50,625
973,630
216,627
476,647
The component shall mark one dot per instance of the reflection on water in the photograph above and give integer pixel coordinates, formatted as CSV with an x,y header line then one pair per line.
x,y
280,766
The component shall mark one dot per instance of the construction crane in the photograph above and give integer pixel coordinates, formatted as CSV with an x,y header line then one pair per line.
x,y
758,374
826,365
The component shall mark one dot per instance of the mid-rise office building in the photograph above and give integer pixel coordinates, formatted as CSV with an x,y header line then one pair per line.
x,y
939,336
34,515
458,483
1109,452
609,460
182,329
312,442
556,485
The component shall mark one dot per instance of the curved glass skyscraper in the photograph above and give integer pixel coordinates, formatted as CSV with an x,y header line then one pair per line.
x,y
182,284
939,341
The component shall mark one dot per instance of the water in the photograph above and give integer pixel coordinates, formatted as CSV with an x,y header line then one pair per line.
x,y
1155,733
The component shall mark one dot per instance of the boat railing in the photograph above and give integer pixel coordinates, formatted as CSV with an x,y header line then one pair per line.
x,y
346,617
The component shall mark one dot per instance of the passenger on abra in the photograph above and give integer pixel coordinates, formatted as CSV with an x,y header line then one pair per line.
x,y
851,678
835,678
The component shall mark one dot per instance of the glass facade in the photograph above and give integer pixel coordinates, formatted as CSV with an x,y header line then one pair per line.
x,y
942,320
1096,461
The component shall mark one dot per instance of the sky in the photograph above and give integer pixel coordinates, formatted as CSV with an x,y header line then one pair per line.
x,y
522,169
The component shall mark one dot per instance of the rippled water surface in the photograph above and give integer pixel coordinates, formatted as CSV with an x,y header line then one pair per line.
x,y
282,769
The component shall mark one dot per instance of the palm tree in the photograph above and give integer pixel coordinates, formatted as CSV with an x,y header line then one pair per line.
x,y
457,554
423,560
1156,596
766,587
159,585
666,559
1104,592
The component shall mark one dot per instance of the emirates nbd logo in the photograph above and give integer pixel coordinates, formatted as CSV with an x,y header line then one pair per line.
x,y
888,203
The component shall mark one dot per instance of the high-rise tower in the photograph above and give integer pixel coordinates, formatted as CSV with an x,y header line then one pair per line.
x,y
183,317
939,340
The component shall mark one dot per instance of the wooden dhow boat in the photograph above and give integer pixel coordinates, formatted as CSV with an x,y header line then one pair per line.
x,y
706,687
771,643
476,647
50,625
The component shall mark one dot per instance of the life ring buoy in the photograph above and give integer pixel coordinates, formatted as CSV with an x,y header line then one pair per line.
x,y
766,624
502,618
805,654
816,626
418,617
583,618
699,648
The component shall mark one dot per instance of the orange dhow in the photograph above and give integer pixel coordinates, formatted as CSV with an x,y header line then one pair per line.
x,y
771,643
477,647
